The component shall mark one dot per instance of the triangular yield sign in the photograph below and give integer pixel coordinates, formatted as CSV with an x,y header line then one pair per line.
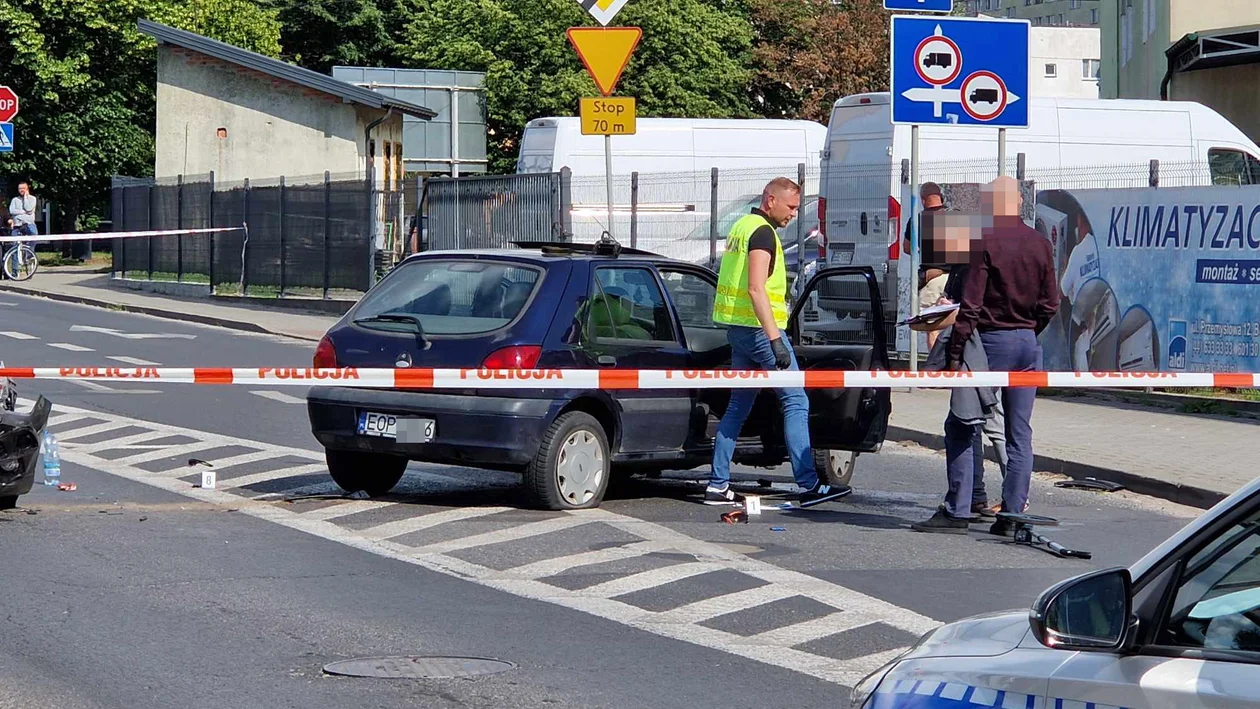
x,y
605,52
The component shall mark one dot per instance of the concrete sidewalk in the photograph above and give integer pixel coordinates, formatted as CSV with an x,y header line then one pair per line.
x,y
1193,459
97,289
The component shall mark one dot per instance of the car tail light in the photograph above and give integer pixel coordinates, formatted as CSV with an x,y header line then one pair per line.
x,y
894,224
519,357
822,229
325,354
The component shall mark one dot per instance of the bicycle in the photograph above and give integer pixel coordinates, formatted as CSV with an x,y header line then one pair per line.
x,y
20,262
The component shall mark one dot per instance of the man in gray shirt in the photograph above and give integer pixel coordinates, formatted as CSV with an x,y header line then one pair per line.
x,y
22,211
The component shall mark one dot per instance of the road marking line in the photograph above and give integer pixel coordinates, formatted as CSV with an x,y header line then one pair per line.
x,y
809,630
69,347
531,529
132,441
350,507
255,478
864,609
181,450
131,335
650,579
551,567
279,396
134,361
94,429
715,606
19,335
397,528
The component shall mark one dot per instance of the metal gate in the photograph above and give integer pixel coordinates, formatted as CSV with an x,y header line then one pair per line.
x,y
488,212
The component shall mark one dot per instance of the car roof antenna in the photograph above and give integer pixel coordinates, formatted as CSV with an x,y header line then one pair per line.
x,y
607,246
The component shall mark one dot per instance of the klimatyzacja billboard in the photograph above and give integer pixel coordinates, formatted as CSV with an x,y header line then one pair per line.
x,y
1154,279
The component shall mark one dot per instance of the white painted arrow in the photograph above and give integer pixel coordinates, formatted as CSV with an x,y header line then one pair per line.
x,y
131,335
940,96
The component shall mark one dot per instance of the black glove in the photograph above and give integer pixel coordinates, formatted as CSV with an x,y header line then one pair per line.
x,y
782,357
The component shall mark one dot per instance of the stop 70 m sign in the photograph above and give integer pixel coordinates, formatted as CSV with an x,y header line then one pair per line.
x,y
8,104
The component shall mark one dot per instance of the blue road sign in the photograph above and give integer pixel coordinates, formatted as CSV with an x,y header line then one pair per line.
x,y
960,70
920,5
6,137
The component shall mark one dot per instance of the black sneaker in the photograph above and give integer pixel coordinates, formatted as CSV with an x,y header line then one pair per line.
x,y
822,492
714,496
1002,528
941,523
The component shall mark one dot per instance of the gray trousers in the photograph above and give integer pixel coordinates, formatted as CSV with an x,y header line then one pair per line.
x,y
994,429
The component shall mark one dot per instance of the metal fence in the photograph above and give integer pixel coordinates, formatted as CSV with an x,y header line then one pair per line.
x,y
303,237
493,211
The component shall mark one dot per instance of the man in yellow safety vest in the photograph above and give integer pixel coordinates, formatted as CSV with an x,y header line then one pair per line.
x,y
751,301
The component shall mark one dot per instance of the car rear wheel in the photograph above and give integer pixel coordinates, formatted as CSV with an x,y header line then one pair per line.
x,y
835,467
571,469
373,473
8,502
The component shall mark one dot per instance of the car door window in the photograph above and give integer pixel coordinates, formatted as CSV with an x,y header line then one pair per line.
x,y
1230,167
836,311
627,304
693,301
1217,601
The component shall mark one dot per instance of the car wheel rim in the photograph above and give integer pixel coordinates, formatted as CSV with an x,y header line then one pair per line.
x,y
836,460
580,467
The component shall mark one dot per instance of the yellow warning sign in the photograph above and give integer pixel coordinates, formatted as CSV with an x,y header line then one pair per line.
x,y
605,52
608,116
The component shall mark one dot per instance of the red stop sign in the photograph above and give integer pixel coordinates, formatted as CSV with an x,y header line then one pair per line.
x,y
8,104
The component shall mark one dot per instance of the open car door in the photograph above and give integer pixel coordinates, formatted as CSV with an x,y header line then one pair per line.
x,y
838,323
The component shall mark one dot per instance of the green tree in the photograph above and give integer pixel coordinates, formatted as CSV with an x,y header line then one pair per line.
x,y
692,61
319,34
86,78
241,23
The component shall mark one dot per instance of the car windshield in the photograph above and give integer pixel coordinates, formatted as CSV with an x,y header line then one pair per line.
x,y
449,297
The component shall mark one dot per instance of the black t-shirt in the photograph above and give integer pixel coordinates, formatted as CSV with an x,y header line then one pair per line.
x,y
923,266
954,284
764,239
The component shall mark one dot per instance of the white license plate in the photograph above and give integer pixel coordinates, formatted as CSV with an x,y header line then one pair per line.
x,y
403,429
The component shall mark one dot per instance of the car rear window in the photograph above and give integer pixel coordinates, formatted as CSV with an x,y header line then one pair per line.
x,y
451,296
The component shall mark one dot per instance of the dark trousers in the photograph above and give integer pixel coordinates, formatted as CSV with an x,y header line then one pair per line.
x,y
1007,351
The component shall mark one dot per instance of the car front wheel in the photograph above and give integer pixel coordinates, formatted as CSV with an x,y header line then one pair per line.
x,y
373,473
571,469
835,467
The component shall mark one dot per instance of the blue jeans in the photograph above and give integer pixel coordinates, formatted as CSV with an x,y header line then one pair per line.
x,y
750,349
24,230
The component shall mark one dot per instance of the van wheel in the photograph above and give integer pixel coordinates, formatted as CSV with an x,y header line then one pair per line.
x,y
835,467
8,502
373,473
571,469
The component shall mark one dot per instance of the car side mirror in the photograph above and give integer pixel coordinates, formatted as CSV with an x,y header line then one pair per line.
x,y
1088,612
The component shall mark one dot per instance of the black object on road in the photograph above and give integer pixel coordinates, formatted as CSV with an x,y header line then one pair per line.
x,y
1090,484
1027,536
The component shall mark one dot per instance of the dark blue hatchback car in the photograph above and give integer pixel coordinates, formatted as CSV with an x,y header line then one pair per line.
x,y
580,307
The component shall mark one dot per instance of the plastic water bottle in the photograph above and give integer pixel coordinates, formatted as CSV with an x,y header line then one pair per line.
x,y
52,459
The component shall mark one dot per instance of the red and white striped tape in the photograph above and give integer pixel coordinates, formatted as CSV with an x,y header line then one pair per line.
x,y
622,379
103,235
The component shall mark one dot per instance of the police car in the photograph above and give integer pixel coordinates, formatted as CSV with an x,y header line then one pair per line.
x,y
1180,629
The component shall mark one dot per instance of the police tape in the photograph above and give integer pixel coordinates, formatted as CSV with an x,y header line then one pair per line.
x,y
103,235
622,379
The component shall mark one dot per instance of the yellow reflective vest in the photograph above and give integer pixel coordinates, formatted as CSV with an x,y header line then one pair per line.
x,y
732,305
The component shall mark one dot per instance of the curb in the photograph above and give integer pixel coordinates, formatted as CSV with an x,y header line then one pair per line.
x,y
1201,498
241,325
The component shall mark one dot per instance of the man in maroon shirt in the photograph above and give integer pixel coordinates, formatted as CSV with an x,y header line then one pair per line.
x,y
1008,298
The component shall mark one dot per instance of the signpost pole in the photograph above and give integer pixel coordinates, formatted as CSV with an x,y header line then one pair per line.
x,y
1001,152
608,174
914,243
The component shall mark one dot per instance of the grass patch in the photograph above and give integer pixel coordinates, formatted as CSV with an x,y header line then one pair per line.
x,y
1230,394
194,278
54,258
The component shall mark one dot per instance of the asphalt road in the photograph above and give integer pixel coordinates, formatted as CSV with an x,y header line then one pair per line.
x,y
141,590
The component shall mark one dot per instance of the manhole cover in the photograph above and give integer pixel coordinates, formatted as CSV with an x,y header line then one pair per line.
x,y
415,667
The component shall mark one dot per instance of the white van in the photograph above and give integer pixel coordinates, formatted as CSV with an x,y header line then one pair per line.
x,y
674,158
860,207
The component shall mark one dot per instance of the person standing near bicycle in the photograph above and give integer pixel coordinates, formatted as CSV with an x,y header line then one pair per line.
x,y
22,211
